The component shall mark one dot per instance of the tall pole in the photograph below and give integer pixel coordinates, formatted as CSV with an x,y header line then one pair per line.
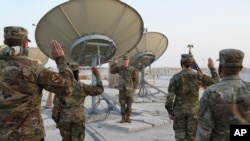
x,y
190,46
194,63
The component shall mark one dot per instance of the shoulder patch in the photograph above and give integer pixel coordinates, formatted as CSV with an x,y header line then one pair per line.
x,y
55,78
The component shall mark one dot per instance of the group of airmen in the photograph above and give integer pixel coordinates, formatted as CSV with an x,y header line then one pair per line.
x,y
225,101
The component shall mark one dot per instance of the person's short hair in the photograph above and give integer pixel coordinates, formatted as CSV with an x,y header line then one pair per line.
x,y
187,58
231,70
15,32
74,66
125,57
13,42
231,57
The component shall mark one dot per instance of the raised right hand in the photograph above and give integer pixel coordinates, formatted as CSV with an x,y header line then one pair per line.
x,y
57,50
210,63
95,72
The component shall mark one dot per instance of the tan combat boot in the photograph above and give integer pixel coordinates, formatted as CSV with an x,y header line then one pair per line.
x,y
123,119
128,119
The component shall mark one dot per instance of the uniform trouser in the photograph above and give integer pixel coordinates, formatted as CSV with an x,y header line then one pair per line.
x,y
23,139
126,99
185,126
72,131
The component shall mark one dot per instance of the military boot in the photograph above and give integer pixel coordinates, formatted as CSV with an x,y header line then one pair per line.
x,y
128,119
123,119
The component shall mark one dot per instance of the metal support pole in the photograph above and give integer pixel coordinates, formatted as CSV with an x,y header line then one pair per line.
x,y
145,86
111,102
93,83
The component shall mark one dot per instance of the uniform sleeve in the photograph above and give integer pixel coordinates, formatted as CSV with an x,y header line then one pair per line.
x,y
56,100
93,90
170,97
207,80
114,68
135,81
206,121
56,109
59,83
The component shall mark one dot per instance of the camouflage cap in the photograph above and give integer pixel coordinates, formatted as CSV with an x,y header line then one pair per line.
x,y
15,32
74,66
187,57
231,57
125,57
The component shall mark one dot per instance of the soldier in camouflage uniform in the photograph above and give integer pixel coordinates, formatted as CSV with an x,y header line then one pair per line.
x,y
127,86
183,97
68,112
22,81
225,103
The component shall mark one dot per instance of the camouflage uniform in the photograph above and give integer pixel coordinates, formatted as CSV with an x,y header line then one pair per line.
x,y
127,83
21,83
225,103
68,112
183,99
5,50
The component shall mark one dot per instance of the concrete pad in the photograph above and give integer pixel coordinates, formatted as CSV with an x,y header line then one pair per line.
x,y
137,111
49,123
138,100
128,127
155,122
149,119
142,118
44,116
150,122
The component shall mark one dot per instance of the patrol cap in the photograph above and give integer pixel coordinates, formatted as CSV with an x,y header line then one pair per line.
x,y
125,57
187,57
15,32
231,57
74,66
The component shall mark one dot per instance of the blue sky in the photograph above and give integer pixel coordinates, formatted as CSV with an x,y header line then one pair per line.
x,y
209,25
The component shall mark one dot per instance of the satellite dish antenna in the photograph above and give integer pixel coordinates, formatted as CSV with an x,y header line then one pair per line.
x,y
151,47
91,32
89,29
36,53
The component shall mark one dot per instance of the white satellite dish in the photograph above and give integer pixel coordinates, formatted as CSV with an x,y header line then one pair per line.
x,y
89,29
151,47
36,53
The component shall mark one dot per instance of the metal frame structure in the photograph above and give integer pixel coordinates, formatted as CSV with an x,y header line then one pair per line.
x,y
149,49
106,48
112,104
144,90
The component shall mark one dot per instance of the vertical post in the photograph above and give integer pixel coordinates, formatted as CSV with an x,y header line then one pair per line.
x,y
93,83
94,60
190,46
142,83
99,56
